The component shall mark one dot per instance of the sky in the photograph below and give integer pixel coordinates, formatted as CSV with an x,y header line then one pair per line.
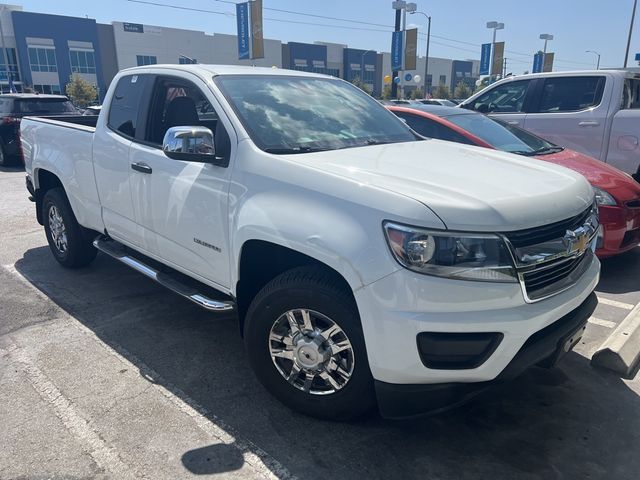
x,y
458,26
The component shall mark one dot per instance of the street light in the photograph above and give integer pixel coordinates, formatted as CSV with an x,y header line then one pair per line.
x,y
595,53
546,37
426,58
495,26
633,17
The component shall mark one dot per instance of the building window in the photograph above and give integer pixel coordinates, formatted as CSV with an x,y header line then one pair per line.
x,y
10,58
183,60
42,59
443,79
50,89
146,60
82,61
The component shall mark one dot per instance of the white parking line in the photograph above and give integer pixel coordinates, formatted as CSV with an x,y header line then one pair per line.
x,y
615,303
208,422
602,323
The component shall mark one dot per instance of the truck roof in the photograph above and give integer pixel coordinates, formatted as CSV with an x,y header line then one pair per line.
x,y
620,72
216,70
29,96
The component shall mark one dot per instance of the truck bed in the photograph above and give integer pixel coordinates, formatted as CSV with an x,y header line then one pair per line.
x,y
71,121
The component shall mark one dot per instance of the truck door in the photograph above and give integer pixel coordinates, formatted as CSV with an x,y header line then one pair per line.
x,y
624,141
112,141
506,101
182,206
571,111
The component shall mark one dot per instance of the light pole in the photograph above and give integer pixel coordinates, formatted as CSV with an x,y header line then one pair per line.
x,y
595,53
362,66
398,6
633,17
495,26
426,58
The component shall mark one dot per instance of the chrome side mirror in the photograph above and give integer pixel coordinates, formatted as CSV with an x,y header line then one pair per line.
x,y
193,144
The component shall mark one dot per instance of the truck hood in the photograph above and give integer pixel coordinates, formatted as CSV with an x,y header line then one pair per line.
x,y
469,188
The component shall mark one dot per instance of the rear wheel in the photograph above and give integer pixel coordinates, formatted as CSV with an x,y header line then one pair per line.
x,y
305,344
66,239
5,160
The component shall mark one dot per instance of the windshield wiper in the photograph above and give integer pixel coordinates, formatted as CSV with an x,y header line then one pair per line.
x,y
293,150
540,151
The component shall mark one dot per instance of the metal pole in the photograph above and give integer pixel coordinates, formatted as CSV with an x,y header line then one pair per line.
x,y
404,29
426,59
394,74
493,47
633,16
598,64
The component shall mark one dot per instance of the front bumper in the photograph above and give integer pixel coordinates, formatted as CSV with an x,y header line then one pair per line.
x,y
543,347
621,230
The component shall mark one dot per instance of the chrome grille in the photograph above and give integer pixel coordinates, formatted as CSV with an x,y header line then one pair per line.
x,y
533,236
554,277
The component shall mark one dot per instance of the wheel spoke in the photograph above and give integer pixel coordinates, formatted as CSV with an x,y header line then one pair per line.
x,y
329,379
340,347
342,373
306,319
293,323
288,354
284,339
294,373
330,331
308,381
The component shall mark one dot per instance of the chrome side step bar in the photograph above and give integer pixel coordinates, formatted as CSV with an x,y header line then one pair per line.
x,y
119,252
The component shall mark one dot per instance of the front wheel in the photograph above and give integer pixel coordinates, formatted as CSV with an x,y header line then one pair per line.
x,y
66,239
305,344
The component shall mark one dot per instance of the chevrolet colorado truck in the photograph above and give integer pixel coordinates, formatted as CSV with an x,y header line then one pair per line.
x,y
361,274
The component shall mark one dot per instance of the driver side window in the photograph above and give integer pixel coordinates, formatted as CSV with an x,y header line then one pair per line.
x,y
506,98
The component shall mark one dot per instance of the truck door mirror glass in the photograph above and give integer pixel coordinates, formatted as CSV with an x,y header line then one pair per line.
x,y
193,144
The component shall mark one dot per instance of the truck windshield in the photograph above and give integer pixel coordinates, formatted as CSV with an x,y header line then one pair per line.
x,y
45,106
288,115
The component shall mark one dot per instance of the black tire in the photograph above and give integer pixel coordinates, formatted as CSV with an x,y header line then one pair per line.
x,y
79,250
315,289
5,160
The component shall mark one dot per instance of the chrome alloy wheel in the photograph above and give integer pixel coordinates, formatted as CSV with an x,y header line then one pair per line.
x,y
311,352
58,230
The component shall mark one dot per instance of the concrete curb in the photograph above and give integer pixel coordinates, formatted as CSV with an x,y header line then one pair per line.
x,y
621,351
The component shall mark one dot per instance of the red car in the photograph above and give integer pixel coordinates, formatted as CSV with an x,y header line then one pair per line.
x,y
617,194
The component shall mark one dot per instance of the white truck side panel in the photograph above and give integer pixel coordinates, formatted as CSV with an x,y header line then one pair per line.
x,y
624,143
66,151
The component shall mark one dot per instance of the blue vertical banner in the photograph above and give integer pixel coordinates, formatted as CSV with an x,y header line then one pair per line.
x,y
538,60
485,59
397,51
242,16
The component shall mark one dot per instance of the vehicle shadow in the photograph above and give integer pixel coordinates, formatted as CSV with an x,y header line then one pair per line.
x,y
619,274
12,169
571,422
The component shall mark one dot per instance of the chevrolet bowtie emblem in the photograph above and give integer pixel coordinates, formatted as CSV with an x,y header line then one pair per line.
x,y
576,241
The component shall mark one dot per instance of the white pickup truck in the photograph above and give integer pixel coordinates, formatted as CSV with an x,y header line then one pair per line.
x,y
367,265
594,112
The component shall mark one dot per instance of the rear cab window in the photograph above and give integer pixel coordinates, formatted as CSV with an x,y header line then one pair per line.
x,y
570,94
124,109
630,94
44,106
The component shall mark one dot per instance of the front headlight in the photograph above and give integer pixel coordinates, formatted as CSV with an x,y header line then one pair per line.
x,y
465,256
603,198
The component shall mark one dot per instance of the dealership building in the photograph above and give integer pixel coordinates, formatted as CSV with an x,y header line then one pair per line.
x,y
42,51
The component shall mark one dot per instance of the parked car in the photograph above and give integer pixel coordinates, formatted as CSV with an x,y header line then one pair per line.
x,y
592,112
436,101
617,194
361,274
92,110
14,106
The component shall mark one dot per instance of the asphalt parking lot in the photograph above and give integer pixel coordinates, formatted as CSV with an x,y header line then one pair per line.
x,y
104,374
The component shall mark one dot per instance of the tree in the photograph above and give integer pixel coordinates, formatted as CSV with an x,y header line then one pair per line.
x,y
462,90
361,85
441,91
81,92
386,92
417,93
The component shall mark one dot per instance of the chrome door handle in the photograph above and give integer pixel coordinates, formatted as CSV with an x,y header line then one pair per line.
x,y
141,167
588,123
513,122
